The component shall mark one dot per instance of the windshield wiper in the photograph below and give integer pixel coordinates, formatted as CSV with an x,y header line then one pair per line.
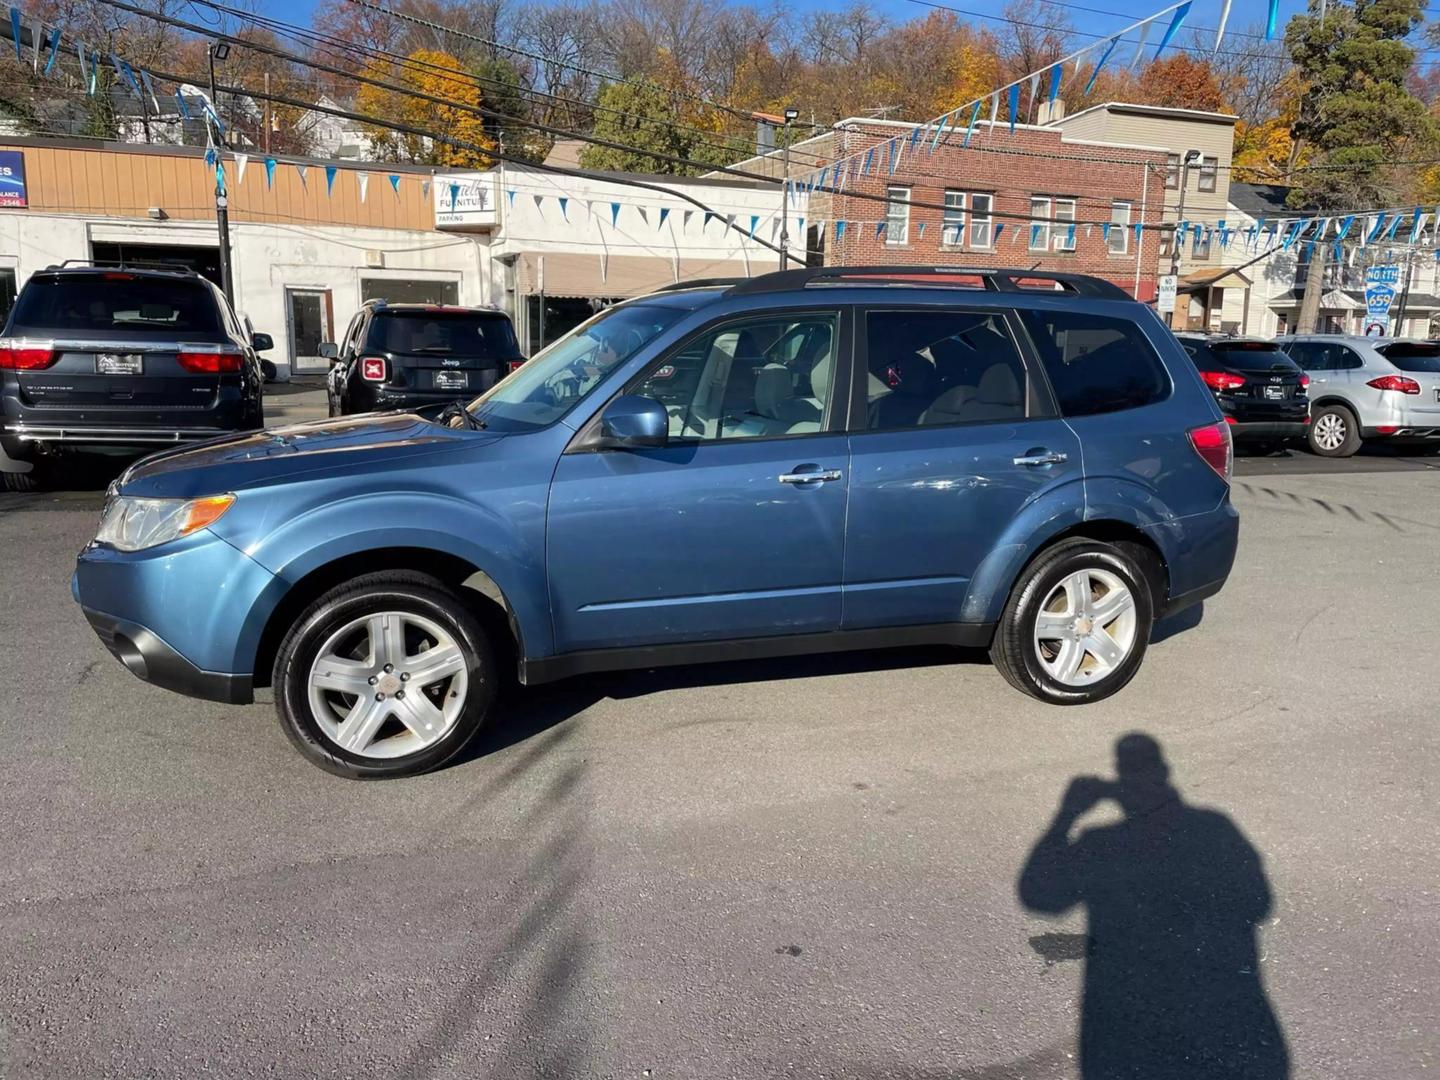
x,y
458,409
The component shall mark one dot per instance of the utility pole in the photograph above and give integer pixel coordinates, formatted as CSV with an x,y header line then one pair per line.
x,y
790,115
213,51
1191,156
266,119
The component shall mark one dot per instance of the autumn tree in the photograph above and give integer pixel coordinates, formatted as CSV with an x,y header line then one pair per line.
x,y
1181,81
427,72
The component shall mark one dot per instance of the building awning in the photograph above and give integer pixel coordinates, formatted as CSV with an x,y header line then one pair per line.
x,y
1215,279
590,275
1354,300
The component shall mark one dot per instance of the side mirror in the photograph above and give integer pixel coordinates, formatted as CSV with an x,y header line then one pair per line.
x,y
261,342
329,350
632,422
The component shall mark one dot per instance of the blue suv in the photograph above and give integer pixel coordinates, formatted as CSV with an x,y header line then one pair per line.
x,y
808,461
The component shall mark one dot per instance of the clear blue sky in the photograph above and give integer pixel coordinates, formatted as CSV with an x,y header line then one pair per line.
x,y
1206,13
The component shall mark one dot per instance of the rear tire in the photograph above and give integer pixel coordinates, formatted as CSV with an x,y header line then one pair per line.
x,y
1334,432
1097,611
341,688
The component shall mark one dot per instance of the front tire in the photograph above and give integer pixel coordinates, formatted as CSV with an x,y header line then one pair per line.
x,y
1334,432
385,676
1077,623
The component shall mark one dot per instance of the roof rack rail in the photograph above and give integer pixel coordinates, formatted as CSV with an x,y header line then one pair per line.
x,y
991,279
704,283
127,264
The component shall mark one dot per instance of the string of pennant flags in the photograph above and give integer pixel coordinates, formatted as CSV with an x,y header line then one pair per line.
x,y
927,136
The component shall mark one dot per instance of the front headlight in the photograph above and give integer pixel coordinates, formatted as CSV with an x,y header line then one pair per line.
x,y
130,524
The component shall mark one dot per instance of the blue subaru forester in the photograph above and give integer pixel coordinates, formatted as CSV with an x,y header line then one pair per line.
x,y
807,461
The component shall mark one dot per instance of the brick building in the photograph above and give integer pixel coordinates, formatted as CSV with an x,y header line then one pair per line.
x,y
976,205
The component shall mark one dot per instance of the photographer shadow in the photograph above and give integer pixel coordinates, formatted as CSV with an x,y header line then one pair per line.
x,y
1173,894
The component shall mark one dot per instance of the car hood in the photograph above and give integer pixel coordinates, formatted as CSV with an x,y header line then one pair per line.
x,y
257,458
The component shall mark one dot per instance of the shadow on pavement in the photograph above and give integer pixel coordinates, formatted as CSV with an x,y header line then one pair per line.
x,y
1173,894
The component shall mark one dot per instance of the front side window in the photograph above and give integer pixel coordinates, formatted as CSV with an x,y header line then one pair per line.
x,y
1096,364
952,231
1119,227
981,234
562,375
933,368
897,215
754,379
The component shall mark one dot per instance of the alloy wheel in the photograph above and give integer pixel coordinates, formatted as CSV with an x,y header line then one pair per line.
x,y
1086,627
388,684
1330,431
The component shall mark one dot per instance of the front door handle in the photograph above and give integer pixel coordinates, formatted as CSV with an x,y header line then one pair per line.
x,y
1042,457
818,476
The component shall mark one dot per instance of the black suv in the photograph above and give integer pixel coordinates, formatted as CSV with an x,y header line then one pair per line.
x,y
1262,392
101,358
406,356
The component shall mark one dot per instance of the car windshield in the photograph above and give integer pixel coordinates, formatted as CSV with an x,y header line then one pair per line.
x,y
563,374
468,334
1421,356
116,301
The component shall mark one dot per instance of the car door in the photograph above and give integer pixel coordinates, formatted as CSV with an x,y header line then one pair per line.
x,y
735,529
954,437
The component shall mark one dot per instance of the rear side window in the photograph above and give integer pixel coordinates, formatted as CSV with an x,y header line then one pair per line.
x,y
1419,356
931,368
462,334
1096,364
101,303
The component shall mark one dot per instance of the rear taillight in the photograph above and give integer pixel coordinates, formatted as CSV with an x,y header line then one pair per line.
x,y
513,366
372,368
1222,380
209,363
1395,382
1212,442
21,355
1304,382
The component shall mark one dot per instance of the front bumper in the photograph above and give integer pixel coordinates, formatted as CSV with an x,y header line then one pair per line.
x,y
149,657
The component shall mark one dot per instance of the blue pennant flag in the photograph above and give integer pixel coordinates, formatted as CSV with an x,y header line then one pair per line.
x,y
1014,103
211,156
894,151
664,213
754,221
184,108
394,179
1054,82
1138,226
820,183
880,227
614,214
839,229
1394,224
1376,229
940,131
970,129
1105,231
1415,224
454,195
920,229
127,76
1270,19
564,202
510,195
1101,62
1034,236
219,178
269,172
705,223
1345,224
869,161
54,49
1175,21
15,30
915,136
1000,228
330,172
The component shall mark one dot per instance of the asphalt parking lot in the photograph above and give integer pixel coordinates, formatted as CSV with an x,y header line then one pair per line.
x,y
807,868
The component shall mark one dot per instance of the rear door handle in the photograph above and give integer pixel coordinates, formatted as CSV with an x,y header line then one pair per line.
x,y
1042,457
818,476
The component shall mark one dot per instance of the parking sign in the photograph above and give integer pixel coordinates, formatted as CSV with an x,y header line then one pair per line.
x,y
1166,297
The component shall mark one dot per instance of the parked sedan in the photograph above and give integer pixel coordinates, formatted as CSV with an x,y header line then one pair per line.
x,y
1261,391
406,356
1365,389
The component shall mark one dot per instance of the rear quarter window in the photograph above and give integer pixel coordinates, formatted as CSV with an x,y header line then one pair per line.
x,y
1096,364
464,335
99,304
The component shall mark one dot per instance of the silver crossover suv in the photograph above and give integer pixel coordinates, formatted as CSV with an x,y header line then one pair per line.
x,y
1368,388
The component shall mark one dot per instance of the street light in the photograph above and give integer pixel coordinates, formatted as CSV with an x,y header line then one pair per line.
x,y
220,50
790,115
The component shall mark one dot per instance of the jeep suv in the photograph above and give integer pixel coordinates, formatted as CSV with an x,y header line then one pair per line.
x,y
808,461
101,358
405,356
